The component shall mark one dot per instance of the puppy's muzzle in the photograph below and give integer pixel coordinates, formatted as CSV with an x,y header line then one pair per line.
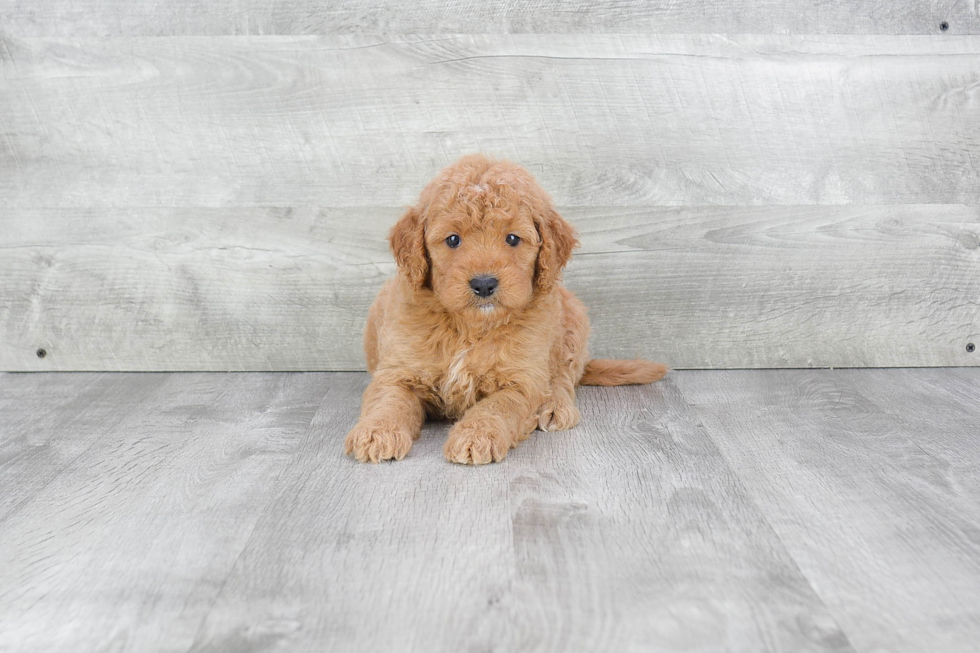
x,y
484,285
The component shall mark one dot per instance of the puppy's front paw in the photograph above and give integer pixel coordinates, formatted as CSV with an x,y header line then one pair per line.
x,y
558,415
377,442
476,444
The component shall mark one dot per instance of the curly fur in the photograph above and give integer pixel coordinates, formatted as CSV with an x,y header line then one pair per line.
x,y
500,366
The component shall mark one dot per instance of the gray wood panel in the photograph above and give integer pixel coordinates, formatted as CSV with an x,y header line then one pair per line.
x,y
603,120
47,422
221,131
127,546
871,480
214,17
288,289
724,287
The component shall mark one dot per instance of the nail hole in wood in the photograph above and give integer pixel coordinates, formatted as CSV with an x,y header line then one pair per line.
x,y
944,26
970,347
41,353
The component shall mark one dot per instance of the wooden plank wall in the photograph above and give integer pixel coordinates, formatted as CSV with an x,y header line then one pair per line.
x,y
207,186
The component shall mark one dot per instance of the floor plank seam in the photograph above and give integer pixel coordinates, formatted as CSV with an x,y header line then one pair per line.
x,y
757,504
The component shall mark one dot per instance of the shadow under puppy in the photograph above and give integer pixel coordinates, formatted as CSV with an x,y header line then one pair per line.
x,y
476,327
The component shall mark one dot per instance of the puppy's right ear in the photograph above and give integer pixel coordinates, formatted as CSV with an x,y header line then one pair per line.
x,y
407,240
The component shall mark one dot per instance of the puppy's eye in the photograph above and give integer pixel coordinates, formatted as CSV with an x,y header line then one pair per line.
x,y
513,240
453,241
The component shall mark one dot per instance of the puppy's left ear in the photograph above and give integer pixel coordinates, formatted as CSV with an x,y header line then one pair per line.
x,y
558,239
407,240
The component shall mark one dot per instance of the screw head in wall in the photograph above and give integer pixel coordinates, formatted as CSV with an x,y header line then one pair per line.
x,y
41,353
970,347
944,26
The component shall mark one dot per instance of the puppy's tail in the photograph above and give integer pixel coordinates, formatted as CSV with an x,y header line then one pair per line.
x,y
605,371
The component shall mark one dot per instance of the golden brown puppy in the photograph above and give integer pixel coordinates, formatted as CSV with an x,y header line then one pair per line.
x,y
476,326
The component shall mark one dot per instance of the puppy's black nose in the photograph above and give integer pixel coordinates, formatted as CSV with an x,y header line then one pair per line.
x,y
483,286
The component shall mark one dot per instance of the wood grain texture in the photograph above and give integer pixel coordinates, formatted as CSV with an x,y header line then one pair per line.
x,y
126,547
244,17
627,532
724,287
871,480
602,120
48,422
814,144
745,511
288,289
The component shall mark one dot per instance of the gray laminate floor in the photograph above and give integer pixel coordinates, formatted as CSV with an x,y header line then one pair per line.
x,y
714,511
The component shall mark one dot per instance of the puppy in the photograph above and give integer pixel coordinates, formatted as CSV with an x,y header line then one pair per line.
x,y
476,327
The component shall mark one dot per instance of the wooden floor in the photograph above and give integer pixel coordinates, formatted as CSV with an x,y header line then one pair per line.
x,y
715,511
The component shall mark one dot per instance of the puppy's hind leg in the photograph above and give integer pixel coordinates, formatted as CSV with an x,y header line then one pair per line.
x,y
568,358
558,412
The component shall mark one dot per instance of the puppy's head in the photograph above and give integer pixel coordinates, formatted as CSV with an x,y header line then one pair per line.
x,y
484,238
